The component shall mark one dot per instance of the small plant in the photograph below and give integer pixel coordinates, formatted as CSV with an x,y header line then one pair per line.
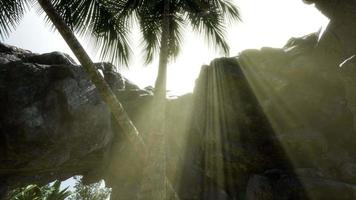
x,y
34,192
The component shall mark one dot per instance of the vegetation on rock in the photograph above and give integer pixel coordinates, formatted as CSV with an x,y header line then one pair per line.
x,y
35,192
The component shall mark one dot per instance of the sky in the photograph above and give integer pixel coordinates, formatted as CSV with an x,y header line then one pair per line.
x,y
264,23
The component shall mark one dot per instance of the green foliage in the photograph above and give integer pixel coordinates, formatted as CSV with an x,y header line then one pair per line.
x,y
109,21
55,193
206,17
99,20
31,192
86,17
95,191
34,192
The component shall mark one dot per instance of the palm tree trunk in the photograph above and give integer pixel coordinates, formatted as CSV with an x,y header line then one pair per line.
x,y
155,184
161,81
108,96
104,90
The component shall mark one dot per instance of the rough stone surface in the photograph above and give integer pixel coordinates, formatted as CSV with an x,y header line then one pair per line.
x,y
53,123
307,109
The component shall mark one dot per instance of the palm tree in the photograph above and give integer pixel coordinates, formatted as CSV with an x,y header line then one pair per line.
x,y
167,17
12,12
161,23
104,90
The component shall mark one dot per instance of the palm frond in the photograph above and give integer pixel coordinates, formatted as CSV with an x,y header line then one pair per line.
x,y
228,8
150,24
175,35
212,25
79,14
108,23
56,193
105,22
112,37
210,19
11,14
30,192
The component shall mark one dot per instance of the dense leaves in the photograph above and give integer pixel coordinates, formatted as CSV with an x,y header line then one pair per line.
x,y
34,192
108,22
100,21
206,17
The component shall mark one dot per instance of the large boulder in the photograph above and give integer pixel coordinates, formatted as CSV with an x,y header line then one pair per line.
x,y
53,124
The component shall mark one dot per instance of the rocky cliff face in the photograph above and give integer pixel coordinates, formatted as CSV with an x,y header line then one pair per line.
x,y
274,124
53,124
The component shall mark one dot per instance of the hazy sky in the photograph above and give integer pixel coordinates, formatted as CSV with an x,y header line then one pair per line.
x,y
265,23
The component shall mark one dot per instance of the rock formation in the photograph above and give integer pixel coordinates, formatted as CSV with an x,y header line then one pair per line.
x,y
302,145
267,124
53,124
278,125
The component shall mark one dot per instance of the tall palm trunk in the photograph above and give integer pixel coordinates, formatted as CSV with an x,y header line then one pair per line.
x,y
104,90
108,96
155,183
161,81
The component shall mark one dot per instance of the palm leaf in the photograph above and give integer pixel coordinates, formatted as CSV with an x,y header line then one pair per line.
x,y
150,20
228,8
211,25
56,193
175,35
112,38
209,18
99,21
11,14
31,192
